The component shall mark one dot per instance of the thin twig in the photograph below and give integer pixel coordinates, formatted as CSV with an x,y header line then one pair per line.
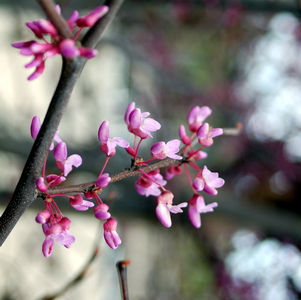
x,y
121,268
78,278
85,187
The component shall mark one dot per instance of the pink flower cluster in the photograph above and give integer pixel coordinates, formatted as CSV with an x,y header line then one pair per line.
x,y
52,43
149,183
152,183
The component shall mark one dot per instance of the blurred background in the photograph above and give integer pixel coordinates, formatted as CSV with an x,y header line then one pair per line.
x,y
243,59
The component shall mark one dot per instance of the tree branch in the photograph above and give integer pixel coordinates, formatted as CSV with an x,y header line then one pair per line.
x,y
85,187
56,19
24,193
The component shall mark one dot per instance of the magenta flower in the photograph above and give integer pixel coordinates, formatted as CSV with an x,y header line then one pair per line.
x,y
172,171
110,234
208,181
52,43
139,123
183,135
160,150
196,116
63,162
101,211
196,207
43,216
165,207
35,128
103,181
108,145
206,134
150,185
78,203
56,230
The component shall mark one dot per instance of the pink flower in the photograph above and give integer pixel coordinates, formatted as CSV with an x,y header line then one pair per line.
x,y
150,185
196,116
206,134
108,145
208,181
78,203
172,171
160,150
103,181
90,19
63,162
56,230
196,207
101,211
165,207
110,234
35,129
43,217
57,44
138,123
183,136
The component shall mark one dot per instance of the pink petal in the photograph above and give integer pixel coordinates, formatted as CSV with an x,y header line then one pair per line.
x,y
121,142
150,124
87,52
65,239
175,209
103,132
198,184
35,127
38,72
129,109
68,48
60,152
103,181
101,212
135,118
41,186
47,247
163,215
216,132
112,239
183,136
158,150
73,160
194,216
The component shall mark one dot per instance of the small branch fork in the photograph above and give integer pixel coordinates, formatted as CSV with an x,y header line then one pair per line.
x,y
24,193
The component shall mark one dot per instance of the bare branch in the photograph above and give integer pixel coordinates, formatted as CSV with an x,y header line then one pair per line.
x,y
57,20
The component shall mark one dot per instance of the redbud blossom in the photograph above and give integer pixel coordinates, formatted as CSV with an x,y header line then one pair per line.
x,y
43,217
208,181
78,203
165,207
35,128
160,150
172,171
183,135
139,123
57,44
108,145
56,230
101,211
196,207
103,181
150,185
41,186
206,134
110,234
196,116
63,162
